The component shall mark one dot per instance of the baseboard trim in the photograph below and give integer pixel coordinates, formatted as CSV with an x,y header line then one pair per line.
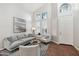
x,y
66,44
55,42
76,47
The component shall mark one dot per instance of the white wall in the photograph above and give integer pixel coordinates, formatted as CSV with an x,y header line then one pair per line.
x,y
76,26
7,12
54,18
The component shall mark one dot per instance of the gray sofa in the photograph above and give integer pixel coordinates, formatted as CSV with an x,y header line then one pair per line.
x,y
45,38
11,43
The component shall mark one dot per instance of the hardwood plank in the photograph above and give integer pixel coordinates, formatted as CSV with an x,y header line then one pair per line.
x,y
61,50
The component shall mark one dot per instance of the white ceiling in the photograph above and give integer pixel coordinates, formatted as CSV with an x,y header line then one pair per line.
x,y
27,7
30,7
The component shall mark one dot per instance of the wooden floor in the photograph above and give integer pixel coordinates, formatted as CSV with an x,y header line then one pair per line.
x,y
61,50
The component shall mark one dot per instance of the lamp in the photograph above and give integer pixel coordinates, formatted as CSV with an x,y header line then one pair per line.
x,y
33,29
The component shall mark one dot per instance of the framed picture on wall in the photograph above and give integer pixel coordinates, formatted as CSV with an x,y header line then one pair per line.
x,y
19,25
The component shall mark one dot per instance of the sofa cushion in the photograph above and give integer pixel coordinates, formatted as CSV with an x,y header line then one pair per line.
x,y
12,39
30,35
25,35
22,36
16,44
27,39
46,37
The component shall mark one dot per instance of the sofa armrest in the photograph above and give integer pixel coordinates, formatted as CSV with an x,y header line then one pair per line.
x,y
46,38
6,44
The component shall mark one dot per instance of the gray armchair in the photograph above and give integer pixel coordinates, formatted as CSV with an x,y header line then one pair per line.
x,y
32,50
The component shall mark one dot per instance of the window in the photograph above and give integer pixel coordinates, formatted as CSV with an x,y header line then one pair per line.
x,y
65,7
41,23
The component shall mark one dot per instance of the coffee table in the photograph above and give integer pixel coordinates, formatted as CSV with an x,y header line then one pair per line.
x,y
35,41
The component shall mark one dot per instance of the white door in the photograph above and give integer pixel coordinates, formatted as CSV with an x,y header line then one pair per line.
x,y
65,29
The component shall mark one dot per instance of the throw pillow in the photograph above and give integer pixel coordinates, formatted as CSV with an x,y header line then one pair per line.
x,y
12,39
30,35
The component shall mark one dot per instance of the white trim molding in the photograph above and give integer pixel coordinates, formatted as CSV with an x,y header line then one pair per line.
x,y
76,47
56,42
